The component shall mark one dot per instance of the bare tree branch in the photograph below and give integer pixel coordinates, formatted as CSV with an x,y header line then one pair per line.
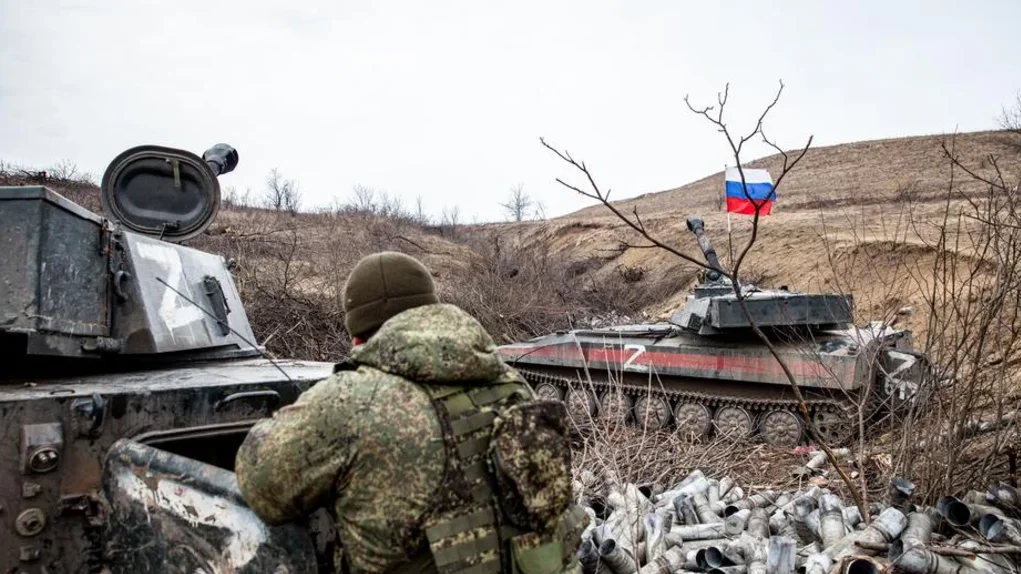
x,y
715,116
603,198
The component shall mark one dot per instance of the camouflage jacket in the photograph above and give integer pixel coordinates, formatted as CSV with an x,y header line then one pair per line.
x,y
368,441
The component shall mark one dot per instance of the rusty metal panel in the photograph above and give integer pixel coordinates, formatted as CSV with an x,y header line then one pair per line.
x,y
781,309
170,513
57,432
54,277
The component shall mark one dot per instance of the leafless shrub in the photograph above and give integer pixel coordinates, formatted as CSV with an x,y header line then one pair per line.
x,y
450,223
519,204
631,273
64,178
281,194
1009,121
971,285
66,170
367,201
961,266
291,272
539,213
1010,116
421,217
909,191
382,216
233,199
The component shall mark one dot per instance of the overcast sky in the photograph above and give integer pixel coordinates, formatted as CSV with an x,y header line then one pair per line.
x,y
448,99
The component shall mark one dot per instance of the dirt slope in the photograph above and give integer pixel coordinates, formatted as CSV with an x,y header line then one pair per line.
x,y
853,174
857,218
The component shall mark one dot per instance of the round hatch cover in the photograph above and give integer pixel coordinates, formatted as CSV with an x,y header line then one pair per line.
x,y
167,193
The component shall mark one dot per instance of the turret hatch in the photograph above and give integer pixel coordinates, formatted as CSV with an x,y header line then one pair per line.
x,y
162,192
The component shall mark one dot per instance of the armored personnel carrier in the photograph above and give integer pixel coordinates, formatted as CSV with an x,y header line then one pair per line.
x,y
706,371
130,378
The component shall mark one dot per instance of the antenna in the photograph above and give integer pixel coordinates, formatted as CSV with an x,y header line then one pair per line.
x,y
238,335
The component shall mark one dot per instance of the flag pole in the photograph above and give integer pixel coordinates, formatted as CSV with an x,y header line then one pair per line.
x,y
730,236
730,239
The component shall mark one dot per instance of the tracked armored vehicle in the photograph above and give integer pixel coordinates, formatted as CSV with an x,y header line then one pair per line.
x,y
129,380
706,371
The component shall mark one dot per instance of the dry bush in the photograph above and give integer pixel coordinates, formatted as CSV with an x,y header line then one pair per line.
x,y
521,291
63,177
961,265
291,271
972,289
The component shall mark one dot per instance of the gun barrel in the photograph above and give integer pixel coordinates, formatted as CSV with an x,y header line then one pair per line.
x,y
222,158
696,226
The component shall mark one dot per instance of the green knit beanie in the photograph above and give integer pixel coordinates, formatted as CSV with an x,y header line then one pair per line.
x,y
382,285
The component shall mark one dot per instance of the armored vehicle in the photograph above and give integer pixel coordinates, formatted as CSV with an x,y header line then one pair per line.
x,y
130,379
705,370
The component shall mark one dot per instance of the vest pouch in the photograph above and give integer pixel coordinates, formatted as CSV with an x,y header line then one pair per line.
x,y
531,453
533,555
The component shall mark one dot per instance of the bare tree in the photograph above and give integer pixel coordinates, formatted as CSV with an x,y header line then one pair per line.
x,y
450,220
540,211
231,197
64,169
518,204
234,198
370,202
736,143
1010,117
364,200
281,194
67,170
421,217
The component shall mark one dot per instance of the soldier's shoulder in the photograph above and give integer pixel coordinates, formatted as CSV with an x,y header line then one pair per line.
x,y
369,390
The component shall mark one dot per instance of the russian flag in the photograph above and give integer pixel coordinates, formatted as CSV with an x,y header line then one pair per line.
x,y
759,187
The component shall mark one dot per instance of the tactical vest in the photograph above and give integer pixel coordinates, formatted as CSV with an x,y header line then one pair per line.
x,y
504,503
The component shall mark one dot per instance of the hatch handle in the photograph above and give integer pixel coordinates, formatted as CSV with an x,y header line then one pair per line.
x,y
271,397
119,279
214,291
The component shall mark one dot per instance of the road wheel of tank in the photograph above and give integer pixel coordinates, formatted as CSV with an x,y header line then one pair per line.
x,y
835,426
652,412
582,406
781,428
548,391
733,422
615,406
693,419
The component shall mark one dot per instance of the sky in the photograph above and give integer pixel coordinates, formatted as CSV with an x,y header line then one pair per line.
x,y
446,100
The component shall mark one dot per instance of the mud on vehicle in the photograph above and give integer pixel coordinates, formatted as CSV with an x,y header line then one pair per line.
x,y
705,371
130,380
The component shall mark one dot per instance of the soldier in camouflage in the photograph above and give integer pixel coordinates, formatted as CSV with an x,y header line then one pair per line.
x,y
432,452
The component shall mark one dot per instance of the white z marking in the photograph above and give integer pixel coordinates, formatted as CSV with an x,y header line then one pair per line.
x,y
639,350
174,311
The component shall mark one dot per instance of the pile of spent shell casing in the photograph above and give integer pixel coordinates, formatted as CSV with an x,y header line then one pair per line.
x,y
711,525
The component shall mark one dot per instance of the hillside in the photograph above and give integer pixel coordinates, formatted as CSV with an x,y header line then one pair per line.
x,y
845,175
855,217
